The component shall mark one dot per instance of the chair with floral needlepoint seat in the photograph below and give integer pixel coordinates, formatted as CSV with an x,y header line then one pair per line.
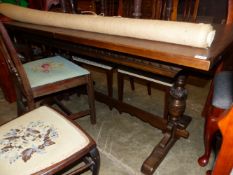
x,y
43,141
44,78
89,63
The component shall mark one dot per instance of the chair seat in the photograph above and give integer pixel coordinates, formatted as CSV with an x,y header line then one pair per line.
x,y
33,141
223,90
52,69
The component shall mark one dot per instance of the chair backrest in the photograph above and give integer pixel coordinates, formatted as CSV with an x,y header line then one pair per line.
x,y
151,9
15,66
168,9
189,10
224,162
226,64
108,7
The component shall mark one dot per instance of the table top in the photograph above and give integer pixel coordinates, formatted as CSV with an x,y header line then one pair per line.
x,y
191,57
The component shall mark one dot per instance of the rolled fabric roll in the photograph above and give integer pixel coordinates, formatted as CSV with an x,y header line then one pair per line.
x,y
190,34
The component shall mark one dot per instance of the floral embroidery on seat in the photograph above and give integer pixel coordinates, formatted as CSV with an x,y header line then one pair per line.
x,y
46,66
24,141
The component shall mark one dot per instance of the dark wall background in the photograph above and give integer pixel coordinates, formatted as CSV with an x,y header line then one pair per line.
x,y
209,10
213,8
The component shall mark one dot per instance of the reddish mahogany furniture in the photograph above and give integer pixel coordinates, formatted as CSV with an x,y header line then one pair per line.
x,y
210,111
224,162
222,100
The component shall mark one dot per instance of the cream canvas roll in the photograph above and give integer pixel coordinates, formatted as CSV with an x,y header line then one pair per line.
x,y
189,34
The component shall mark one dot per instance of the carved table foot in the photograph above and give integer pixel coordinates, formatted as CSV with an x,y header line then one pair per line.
x,y
175,128
159,152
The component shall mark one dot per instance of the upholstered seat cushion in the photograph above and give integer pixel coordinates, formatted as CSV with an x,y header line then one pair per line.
x,y
223,90
52,69
37,140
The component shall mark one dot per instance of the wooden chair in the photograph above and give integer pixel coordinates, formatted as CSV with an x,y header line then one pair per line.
x,y
100,66
108,7
161,79
222,100
6,84
212,111
96,64
157,9
189,9
44,78
90,63
229,20
224,161
43,141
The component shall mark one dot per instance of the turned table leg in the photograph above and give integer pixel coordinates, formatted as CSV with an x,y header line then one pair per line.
x,y
176,122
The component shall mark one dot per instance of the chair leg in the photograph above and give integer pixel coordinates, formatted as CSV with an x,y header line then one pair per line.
x,y
131,80
24,104
20,108
109,82
211,128
120,84
94,153
148,88
207,105
109,76
91,99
